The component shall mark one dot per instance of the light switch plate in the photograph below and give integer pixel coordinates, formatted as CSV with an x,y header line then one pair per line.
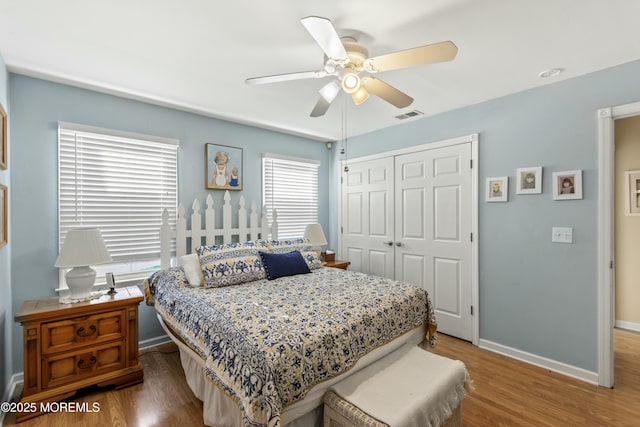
x,y
562,234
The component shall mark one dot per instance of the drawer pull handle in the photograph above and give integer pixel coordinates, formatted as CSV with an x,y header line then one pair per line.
x,y
92,361
81,333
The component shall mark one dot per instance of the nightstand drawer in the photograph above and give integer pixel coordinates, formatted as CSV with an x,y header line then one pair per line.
x,y
67,335
69,367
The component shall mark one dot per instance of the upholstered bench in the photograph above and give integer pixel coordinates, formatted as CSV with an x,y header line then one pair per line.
x,y
408,388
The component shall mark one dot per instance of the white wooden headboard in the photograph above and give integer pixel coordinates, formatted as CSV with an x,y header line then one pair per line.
x,y
255,230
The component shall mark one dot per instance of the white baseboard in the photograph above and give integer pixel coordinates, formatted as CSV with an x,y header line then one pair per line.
x,y
632,326
543,362
14,382
153,342
18,379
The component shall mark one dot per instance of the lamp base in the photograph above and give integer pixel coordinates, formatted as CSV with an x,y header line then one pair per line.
x,y
80,281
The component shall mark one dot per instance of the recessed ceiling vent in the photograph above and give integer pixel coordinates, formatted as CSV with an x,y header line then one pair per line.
x,y
409,115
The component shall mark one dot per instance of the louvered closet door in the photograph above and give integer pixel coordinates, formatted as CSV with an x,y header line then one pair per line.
x,y
367,217
432,231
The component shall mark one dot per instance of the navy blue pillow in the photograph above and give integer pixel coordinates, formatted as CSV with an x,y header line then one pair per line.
x,y
280,265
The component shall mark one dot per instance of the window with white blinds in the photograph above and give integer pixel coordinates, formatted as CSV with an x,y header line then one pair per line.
x,y
119,183
290,186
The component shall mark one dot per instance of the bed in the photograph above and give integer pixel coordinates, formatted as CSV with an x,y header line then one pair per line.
x,y
263,335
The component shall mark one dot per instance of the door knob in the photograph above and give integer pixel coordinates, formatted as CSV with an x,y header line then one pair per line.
x,y
398,244
389,242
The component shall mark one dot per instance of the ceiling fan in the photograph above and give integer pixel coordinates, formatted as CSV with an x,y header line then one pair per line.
x,y
348,61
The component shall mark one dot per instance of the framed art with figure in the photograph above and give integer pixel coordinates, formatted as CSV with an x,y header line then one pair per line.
x,y
632,183
567,185
529,180
498,189
223,167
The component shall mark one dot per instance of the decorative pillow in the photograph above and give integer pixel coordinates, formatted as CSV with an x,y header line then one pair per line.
x,y
191,266
230,264
288,245
301,245
312,259
280,265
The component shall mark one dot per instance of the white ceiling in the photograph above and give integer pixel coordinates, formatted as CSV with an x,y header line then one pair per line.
x,y
196,54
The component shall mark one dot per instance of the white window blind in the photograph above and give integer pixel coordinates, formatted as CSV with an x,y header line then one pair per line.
x,y
119,183
291,187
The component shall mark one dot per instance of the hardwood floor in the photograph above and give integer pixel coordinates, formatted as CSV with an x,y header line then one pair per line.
x,y
507,393
512,393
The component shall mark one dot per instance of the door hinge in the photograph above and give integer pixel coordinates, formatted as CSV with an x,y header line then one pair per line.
x,y
471,164
471,236
341,230
472,310
611,264
341,180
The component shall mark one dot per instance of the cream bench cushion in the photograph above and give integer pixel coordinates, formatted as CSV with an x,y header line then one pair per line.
x,y
410,387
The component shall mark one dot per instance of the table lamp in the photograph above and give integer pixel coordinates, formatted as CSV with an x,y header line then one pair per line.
x,y
315,235
82,247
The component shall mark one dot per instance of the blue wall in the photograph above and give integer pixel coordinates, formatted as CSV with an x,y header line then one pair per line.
x,y
535,296
38,105
5,257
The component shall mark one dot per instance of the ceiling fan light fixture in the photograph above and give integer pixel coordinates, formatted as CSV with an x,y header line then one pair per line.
x,y
350,83
330,91
360,95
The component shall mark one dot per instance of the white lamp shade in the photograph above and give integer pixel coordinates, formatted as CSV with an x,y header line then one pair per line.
x,y
315,235
83,247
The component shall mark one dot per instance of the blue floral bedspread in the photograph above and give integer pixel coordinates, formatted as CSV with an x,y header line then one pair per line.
x,y
267,343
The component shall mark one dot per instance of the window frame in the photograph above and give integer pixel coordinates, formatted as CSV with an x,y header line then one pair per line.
x,y
282,212
124,270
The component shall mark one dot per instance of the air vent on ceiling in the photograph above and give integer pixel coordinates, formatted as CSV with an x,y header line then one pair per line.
x,y
409,114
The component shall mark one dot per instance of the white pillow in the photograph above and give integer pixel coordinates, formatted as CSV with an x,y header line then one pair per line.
x,y
191,266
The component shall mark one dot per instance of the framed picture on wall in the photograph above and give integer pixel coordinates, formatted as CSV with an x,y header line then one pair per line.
x,y
567,185
4,209
632,184
498,189
529,180
223,167
3,138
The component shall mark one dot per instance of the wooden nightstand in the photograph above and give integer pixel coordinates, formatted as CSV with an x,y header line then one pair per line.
x,y
71,346
337,264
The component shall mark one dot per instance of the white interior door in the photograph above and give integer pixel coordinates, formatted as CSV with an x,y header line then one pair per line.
x,y
367,217
433,224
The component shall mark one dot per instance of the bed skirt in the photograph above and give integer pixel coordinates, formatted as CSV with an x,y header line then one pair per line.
x,y
219,410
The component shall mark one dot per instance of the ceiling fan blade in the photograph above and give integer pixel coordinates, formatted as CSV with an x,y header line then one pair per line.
x,y
387,92
428,54
286,77
323,32
320,108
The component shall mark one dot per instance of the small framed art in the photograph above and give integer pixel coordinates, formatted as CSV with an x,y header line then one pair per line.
x,y
632,184
529,180
4,210
3,138
223,167
498,189
567,185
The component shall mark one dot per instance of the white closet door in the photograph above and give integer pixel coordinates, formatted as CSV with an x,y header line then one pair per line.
x,y
367,217
433,231
409,217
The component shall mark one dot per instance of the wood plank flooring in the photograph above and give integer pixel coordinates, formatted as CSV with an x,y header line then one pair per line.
x,y
507,393
512,393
